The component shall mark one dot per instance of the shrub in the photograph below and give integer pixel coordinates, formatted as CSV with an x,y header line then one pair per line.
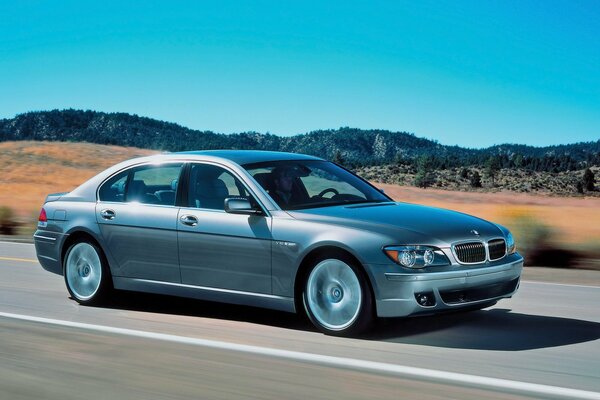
x,y
475,180
8,221
535,241
530,233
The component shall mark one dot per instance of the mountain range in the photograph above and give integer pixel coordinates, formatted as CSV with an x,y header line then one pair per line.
x,y
351,146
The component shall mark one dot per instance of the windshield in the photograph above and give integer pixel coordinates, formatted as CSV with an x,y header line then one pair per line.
x,y
298,184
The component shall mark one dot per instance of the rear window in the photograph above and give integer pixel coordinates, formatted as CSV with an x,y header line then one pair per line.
x,y
114,188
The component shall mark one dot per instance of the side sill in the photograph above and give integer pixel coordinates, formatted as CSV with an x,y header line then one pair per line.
x,y
206,293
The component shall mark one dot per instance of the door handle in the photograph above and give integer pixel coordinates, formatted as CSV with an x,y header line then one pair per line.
x,y
189,220
108,214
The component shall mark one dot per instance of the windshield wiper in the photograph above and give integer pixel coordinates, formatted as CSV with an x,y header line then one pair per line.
x,y
334,203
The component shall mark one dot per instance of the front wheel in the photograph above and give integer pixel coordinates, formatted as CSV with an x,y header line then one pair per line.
x,y
337,298
86,273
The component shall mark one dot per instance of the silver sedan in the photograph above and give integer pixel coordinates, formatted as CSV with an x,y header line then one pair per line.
x,y
284,231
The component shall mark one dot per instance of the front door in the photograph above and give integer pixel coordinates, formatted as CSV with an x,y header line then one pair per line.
x,y
218,249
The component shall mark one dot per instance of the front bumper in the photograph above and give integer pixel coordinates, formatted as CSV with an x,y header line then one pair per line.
x,y
396,292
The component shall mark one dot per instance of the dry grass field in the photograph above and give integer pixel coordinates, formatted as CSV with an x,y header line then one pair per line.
x,y
30,170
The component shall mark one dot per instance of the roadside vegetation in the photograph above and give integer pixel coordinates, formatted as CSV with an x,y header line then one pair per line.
x,y
490,178
8,221
551,229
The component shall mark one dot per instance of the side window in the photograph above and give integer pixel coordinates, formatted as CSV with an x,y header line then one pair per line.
x,y
232,184
210,185
114,188
154,184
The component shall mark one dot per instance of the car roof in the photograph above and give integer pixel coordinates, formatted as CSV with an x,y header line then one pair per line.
x,y
242,157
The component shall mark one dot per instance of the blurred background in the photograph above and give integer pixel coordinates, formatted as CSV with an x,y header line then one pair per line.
x,y
551,229
489,108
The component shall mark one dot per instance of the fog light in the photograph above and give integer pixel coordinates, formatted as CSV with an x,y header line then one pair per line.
x,y
425,299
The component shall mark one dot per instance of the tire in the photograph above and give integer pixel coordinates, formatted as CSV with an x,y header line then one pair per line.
x,y
86,273
337,297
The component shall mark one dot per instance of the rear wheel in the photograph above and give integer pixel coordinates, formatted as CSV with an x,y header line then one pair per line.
x,y
337,298
86,273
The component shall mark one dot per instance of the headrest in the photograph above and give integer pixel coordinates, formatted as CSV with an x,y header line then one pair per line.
x,y
137,187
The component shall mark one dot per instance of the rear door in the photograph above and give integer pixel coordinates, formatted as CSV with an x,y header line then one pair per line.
x,y
218,249
137,216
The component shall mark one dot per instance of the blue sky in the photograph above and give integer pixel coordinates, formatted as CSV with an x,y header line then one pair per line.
x,y
472,73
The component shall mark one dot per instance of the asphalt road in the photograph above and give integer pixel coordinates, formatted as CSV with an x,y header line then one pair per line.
x,y
543,343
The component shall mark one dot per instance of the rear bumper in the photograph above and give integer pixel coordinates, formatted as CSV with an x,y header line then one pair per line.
x,y
396,292
47,247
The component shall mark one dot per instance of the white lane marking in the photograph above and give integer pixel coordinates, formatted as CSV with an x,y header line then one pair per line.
x,y
8,242
562,284
495,384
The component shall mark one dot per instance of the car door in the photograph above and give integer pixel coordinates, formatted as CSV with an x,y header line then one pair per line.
x,y
137,217
218,249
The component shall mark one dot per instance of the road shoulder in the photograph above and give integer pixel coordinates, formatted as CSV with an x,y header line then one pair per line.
x,y
562,276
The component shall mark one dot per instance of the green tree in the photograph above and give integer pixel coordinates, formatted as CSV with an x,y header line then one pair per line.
x,y
424,177
464,173
476,180
492,167
338,158
589,180
579,187
518,160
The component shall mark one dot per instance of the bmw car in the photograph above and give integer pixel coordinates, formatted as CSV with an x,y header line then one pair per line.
x,y
283,231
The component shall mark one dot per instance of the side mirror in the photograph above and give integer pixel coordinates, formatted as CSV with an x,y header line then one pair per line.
x,y
240,205
381,190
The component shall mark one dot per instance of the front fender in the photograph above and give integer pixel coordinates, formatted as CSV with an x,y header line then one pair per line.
x,y
294,240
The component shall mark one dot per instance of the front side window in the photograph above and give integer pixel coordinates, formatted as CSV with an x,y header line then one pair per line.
x,y
210,185
295,185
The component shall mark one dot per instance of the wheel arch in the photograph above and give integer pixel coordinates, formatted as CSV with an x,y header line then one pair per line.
x,y
329,250
75,236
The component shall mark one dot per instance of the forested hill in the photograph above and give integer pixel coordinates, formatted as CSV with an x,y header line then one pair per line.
x,y
352,146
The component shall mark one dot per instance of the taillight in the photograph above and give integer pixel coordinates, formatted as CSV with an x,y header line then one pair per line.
x,y
42,217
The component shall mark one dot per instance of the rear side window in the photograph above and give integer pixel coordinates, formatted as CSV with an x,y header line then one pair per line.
x,y
152,184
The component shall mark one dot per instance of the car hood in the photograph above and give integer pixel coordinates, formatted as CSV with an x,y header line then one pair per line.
x,y
409,223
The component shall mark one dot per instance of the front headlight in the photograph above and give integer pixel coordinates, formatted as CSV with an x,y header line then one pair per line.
x,y
417,256
511,247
